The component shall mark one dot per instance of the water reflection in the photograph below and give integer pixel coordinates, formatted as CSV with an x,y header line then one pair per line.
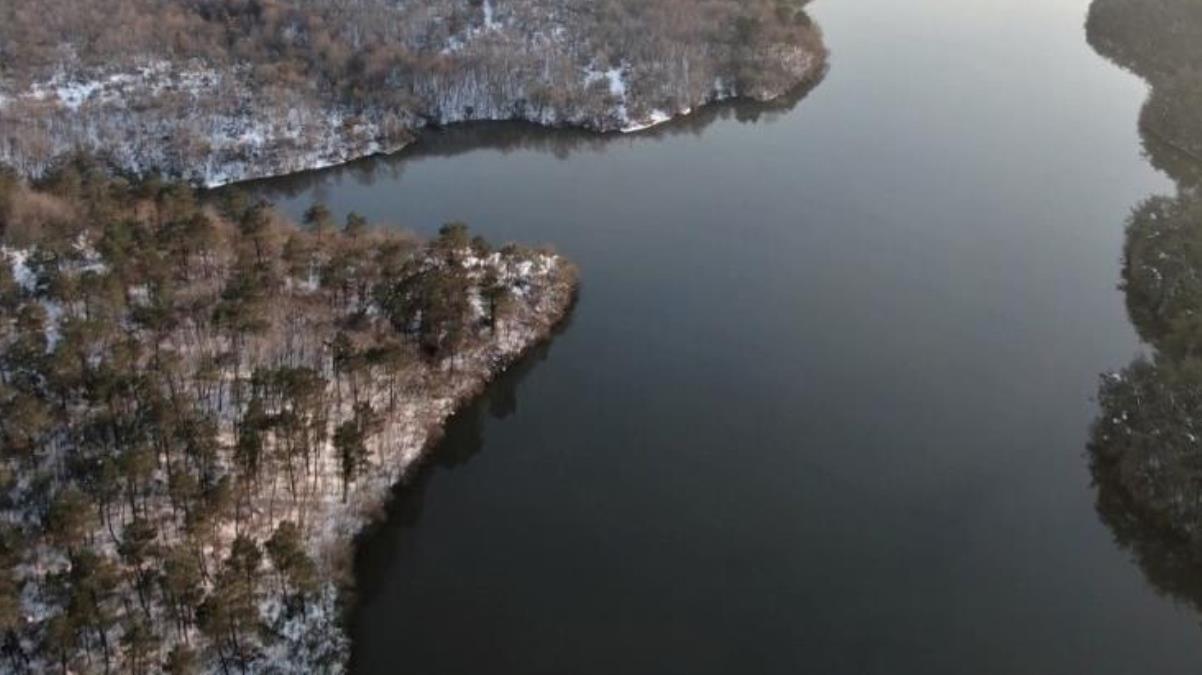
x,y
379,545
1170,568
507,137
1162,43
1145,450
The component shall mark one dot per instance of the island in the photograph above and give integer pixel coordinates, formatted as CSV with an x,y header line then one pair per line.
x,y
202,403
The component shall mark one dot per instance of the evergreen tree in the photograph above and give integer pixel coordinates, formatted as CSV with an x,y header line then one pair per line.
x,y
287,552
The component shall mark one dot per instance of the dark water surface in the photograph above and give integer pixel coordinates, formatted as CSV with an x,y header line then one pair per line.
x,y
822,405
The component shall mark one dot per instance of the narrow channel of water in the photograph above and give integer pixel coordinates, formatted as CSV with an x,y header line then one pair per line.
x,y
823,403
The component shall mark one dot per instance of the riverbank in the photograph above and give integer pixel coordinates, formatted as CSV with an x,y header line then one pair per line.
x,y
317,638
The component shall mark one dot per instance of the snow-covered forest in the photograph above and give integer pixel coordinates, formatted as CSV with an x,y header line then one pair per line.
x,y
201,404
215,91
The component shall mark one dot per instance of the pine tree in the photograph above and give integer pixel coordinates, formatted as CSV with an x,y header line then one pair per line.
x,y
287,552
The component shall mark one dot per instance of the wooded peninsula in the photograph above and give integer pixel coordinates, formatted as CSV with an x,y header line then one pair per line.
x,y
201,403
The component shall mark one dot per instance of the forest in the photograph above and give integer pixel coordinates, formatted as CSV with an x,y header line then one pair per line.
x,y
201,403
219,90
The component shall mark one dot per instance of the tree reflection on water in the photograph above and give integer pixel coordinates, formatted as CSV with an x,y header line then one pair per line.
x,y
1146,444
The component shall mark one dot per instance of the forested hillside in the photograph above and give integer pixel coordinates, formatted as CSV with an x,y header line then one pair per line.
x,y
220,90
201,403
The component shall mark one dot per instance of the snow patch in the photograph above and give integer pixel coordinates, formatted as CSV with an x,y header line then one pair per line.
x,y
655,118
18,260
489,22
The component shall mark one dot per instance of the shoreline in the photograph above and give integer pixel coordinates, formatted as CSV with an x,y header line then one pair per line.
x,y
657,120
369,508
262,142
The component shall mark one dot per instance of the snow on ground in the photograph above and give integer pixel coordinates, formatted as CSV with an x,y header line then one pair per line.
x,y
489,22
615,78
655,118
74,91
617,83
18,260
239,141
25,277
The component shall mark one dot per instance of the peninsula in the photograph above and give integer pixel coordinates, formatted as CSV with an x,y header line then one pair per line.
x,y
201,404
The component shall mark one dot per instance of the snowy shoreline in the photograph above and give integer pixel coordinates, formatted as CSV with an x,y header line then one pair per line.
x,y
213,128
656,119
421,446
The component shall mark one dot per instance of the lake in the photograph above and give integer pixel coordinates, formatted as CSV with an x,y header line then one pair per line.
x,y
824,400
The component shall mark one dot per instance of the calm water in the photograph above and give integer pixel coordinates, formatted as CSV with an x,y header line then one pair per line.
x,y
823,403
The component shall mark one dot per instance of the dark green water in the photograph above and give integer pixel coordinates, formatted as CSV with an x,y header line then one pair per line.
x,y
823,403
